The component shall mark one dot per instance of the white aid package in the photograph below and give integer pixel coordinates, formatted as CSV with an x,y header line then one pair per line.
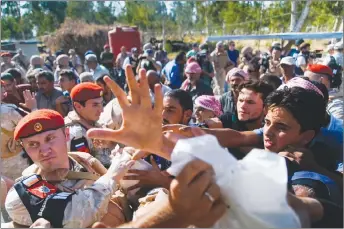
x,y
255,188
139,165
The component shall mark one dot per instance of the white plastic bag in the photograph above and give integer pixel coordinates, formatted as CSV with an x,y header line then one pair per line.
x,y
139,165
255,188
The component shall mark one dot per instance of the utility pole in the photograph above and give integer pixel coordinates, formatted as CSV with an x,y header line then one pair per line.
x,y
293,15
163,32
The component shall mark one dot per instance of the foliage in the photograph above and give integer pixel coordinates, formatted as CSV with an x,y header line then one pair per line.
x,y
20,19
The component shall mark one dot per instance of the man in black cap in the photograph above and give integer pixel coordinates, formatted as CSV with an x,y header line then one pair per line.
x,y
294,52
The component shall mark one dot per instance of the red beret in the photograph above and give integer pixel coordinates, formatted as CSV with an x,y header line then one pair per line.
x,y
106,46
86,91
320,69
38,122
5,54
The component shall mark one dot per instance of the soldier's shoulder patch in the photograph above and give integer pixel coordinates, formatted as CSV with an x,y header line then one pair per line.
x,y
42,189
79,145
31,180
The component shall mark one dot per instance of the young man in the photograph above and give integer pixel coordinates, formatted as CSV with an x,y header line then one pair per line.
x,y
13,93
193,52
65,189
302,59
47,95
287,66
107,57
67,81
32,79
228,100
233,53
274,61
193,84
121,57
17,76
133,59
177,107
161,55
147,61
174,70
87,100
107,94
294,52
251,108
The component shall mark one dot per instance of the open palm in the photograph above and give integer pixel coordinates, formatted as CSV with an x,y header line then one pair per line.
x,y
142,124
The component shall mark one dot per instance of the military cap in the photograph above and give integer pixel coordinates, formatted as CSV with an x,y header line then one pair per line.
x,y
320,69
38,122
86,91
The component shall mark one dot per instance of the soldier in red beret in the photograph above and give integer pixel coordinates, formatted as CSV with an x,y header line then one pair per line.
x,y
324,74
87,101
67,189
7,63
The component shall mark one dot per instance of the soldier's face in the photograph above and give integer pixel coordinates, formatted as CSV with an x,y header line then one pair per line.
x,y
48,150
92,109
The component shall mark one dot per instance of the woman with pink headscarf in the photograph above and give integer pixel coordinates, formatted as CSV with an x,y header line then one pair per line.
x,y
207,107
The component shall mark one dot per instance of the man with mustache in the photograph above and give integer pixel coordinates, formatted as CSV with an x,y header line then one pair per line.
x,y
228,100
177,107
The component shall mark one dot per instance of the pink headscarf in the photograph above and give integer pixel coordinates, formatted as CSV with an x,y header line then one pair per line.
x,y
299,82
193,67
191,59
236,72
210,103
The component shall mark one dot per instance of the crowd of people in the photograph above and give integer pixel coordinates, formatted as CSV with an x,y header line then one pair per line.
x,y
87,142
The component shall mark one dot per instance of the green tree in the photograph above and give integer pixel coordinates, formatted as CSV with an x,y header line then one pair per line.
x,y
104,14
13,24
47,16
81,10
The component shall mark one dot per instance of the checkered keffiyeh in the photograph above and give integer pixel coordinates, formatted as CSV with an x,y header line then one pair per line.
x,y
210,103
236,72
299,82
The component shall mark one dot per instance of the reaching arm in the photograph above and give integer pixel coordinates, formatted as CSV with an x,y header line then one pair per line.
x,y
233,138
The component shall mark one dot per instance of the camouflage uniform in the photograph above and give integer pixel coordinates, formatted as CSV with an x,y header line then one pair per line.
x,y
87,200
77,140
220,62
13,163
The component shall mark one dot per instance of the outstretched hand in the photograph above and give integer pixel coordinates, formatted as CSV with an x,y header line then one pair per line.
x,y
142,125
30,100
